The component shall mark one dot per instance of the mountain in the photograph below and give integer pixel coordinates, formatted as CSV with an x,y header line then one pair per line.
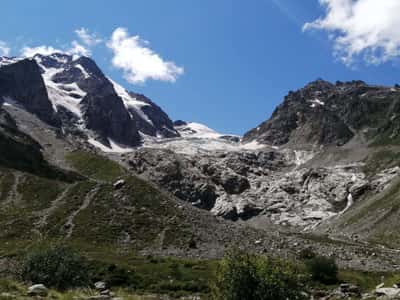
x,y
72,94
85,161
323,113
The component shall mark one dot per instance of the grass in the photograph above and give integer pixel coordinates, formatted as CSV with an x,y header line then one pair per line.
x,y
95,166
146,274
139,211
6,182
387,200
10,289
367,281
115,226
380,160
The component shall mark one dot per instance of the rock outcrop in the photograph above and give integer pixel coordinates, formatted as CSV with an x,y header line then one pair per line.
x,y
323,113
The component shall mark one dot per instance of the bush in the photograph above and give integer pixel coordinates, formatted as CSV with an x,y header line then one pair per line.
x,y
322,269
241,276
57,267
306,254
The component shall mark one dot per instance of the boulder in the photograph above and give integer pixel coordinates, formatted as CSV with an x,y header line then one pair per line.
x,y
100,285
389,293
234,184
38,290
119,184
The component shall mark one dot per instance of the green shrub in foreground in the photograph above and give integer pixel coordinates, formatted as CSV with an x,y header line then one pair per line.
x,y
57,267
322,269
241,276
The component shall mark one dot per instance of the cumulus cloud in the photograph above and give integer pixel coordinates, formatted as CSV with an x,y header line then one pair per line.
x,y
44,50
367,29
83,48
138,62
4,49
89,39
75,49
79,49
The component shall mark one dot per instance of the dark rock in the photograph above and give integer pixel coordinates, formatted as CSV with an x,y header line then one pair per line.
x,y
180,123
22,82
326,114
230,138
234,184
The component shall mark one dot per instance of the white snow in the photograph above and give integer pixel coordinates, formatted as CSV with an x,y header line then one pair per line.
x,y
7,60
115,148
131,102
254,145
316,102
8,101
57,57
84,72
59,94
205,141
197,130
350,202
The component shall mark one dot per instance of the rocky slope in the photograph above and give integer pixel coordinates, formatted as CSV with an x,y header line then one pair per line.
x,y
337,145
323,113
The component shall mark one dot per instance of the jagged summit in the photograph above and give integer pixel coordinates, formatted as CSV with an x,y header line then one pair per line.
x,y
324,113
72,93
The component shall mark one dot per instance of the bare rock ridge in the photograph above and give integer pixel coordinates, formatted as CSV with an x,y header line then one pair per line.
x,y
323,113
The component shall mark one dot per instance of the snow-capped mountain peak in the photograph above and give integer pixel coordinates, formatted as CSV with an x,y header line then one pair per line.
x,y
85,100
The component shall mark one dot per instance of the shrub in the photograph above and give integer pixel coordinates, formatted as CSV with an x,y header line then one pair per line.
x,y
241,276
57,267
306,253
322,269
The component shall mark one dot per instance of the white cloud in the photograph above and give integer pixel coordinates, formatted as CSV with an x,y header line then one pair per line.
x,y
4,49
78,49
367,29
44,50
89,39
138,62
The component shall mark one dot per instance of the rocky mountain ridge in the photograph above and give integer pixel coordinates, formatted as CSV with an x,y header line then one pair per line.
x,y
72,94
323,113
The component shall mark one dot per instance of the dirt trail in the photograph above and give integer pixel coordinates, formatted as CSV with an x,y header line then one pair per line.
x,y
86,202
44,214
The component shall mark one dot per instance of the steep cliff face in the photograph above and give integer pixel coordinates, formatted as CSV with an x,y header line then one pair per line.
x,y
73,93
22,82
323,113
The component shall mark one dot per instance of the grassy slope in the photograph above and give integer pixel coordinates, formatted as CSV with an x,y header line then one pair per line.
x,y
111,230
114,227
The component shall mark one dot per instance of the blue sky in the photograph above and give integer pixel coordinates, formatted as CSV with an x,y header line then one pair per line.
x,y
238,58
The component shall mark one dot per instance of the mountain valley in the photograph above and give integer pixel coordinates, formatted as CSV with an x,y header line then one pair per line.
x,y
85,162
